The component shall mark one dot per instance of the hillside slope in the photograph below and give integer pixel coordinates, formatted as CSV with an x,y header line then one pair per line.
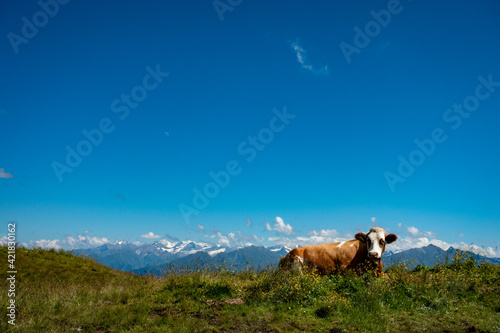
x,y
58,292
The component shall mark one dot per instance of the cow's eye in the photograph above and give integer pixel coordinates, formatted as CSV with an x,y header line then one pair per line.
x,y
382,242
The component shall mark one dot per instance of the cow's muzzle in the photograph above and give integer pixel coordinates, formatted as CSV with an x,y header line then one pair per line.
x,y
373,256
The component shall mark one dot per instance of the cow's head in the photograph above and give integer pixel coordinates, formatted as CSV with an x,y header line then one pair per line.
x,y
375,241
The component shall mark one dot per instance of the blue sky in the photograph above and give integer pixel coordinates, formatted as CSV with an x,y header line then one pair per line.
x,y
333,116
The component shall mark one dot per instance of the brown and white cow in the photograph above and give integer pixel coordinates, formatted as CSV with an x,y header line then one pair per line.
x,y
362,254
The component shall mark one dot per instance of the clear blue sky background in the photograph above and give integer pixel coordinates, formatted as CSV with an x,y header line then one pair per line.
x,y
324,170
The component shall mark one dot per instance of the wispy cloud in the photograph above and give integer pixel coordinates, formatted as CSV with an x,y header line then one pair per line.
x,y
324,233
4,174
413,231
249,223
201,228
222,240
302,59
150,235
234,239
280,227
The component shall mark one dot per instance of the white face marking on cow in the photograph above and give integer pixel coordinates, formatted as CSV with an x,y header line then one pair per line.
x,y
376,243
298,263
340,245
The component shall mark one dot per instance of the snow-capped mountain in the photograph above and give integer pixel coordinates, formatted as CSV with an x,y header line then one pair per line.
x,y
127,256
279,249
136,257
254,257
163,254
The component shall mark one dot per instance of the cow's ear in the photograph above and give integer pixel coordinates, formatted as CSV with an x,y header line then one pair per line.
x,y
361,237
391,238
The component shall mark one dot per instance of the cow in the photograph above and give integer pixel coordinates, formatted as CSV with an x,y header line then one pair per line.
x,y
361,255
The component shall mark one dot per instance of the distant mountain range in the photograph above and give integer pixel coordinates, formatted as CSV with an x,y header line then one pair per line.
x,y
161,256
126,256
429,256
256,257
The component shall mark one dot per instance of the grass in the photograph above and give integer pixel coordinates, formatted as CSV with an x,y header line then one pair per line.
x,y
58,292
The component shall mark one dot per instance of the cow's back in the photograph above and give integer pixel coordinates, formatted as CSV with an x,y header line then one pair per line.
x,y
325,258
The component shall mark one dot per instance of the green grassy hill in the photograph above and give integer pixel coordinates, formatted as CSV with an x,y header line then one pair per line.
x,y
58,292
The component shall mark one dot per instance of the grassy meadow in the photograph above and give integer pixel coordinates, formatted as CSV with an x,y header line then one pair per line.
x,y
58,292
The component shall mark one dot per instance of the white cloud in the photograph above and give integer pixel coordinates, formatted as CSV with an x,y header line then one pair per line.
x,y
413,231
257,239
234,239
150,235
84,240
4,174
249,223
492,252
201,227
302,59
46,244
373,219
292,243
4,241
430,234
411,242
280,227
222,239
80,241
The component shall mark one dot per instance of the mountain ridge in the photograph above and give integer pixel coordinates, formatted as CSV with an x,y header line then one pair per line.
x,y
160,256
